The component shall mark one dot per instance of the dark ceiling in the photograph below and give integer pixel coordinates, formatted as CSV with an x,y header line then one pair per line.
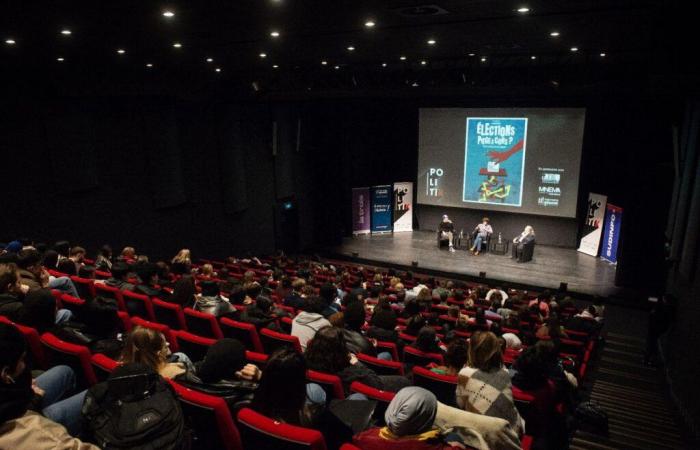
x,y
507,47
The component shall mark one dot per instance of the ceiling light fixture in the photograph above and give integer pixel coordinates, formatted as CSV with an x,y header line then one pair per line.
x,y
209,60
59,59
472,54
524,10
324,63
432,41
554,34
370,23
533,57
602,55
218,69
574,49
351,48
383,64
336,67
169,14
402,58
10,41
423,63
149,65
274,34
66,32
177,45
275,66
121,51
483,59
263,55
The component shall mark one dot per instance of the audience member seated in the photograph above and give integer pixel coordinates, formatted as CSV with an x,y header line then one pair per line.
x,y
128,255
355,341
542,303
262,314
551,329
184,292
329,294
455,358
414,319
410,425
32,409
182,262
427,341
76,256
294,298
119,278
327,353
309,321
383,324
149,347
67,267
39,311
148,274
10,290
479,321
210,300
103,261
499,294
206,272
484,384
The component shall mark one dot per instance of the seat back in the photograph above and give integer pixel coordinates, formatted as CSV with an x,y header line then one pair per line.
x,y
75,356
416,357
163,329
259,359
272,340
260,432
380,366
103,290
36,350
169,314
194,346
74,304
138,305
443,386
85,287
383,398
103,366
330,383
383,346
244,332
202,324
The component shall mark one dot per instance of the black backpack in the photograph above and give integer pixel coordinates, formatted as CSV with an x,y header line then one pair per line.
x,y
592,418
134,409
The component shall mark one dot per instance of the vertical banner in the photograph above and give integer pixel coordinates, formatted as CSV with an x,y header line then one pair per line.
x,y
592,227
611,233
403,206
360,211
381,209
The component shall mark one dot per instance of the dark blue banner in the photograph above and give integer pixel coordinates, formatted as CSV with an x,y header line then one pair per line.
x,y
611,233
381,208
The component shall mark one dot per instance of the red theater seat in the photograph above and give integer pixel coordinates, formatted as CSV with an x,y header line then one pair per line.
x,y
102,290
85,287
259,359
210,418
202,324
75,356
169,314
443,386
383,346
272,340
74,304
244,332
36,350
163,329
138,305
195,347
103,366
416,357
383,398
260,432
330,383
380,366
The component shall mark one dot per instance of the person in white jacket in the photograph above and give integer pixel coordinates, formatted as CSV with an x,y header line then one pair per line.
x,y
309,321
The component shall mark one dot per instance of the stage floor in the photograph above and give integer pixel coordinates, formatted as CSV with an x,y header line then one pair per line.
x,y
549,266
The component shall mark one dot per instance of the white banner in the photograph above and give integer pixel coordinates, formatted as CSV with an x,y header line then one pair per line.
x,y
593,224
403,206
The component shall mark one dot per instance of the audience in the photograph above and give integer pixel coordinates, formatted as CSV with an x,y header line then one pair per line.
x,y
309,321
427,341
148,347
355,341
119,278
184,292
455,358
10,290
148,275
210,300
103,261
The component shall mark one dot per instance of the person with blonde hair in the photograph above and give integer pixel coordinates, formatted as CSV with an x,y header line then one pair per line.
x,y
527,236
207,271
128,255
484,384
149,347
184,256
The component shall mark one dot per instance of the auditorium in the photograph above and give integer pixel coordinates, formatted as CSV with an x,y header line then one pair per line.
x,y
349,225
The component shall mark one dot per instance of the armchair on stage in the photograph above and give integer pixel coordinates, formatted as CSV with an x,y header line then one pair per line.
x,y
444,242
524,252
485,243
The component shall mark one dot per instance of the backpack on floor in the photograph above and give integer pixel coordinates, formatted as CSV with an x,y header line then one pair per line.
x,y
591,417
134,409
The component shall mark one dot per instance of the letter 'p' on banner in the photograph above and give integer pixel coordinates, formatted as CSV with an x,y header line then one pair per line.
x,y
593,224
403,206
611,233
360,211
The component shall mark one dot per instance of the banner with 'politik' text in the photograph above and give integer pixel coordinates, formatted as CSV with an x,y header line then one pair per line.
x,y
403,206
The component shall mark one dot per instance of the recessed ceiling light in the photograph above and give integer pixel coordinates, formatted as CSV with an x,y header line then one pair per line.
x,y
149,65
533,57
218,69
66,32
336,67
554,34
121,51
351,48
263,55
370,23
602,55
432,41
169,14
483,59
383,64
324,63
10,41
472,54
210,60
424,62
524,10
402,58
574,49
59,59
177,45
275,66
274,34
415,84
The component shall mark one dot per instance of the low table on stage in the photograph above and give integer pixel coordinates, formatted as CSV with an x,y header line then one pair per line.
x,y
499,248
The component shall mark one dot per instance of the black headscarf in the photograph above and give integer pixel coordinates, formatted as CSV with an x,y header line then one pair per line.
x,y
39,310
223,360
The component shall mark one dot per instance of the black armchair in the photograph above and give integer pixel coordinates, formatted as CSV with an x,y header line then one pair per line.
x,y
485,243
524,252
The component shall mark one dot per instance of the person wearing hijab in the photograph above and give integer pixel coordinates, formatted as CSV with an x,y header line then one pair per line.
x,y
410,425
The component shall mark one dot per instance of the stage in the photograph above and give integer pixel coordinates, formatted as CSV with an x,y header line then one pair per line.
x,y
550,265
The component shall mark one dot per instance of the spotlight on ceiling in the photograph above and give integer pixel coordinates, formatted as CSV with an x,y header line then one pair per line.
x,y
121,51
432,42
336,67
59,59
533,57
554,34
275,66
523,10
351,48
218,69
149,65
274,34
483,59
472,54
370,23
602,55
324,63
177,45
402,58
574,49
263,55
210,60
66,32
168,13
423,63
384,64
10,41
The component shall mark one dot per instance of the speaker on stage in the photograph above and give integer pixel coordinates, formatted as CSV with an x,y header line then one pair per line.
x,y
563,287
482,274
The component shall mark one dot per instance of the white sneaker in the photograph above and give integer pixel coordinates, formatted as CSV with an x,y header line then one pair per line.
x,y
452,249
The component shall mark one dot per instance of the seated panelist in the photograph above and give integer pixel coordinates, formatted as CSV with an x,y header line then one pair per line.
x,y
482,233
447,230
527,236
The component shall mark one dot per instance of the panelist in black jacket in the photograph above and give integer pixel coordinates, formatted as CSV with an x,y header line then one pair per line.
x,y
527,236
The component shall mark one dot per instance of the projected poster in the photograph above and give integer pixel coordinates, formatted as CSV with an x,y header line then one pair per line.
x,y
494,160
